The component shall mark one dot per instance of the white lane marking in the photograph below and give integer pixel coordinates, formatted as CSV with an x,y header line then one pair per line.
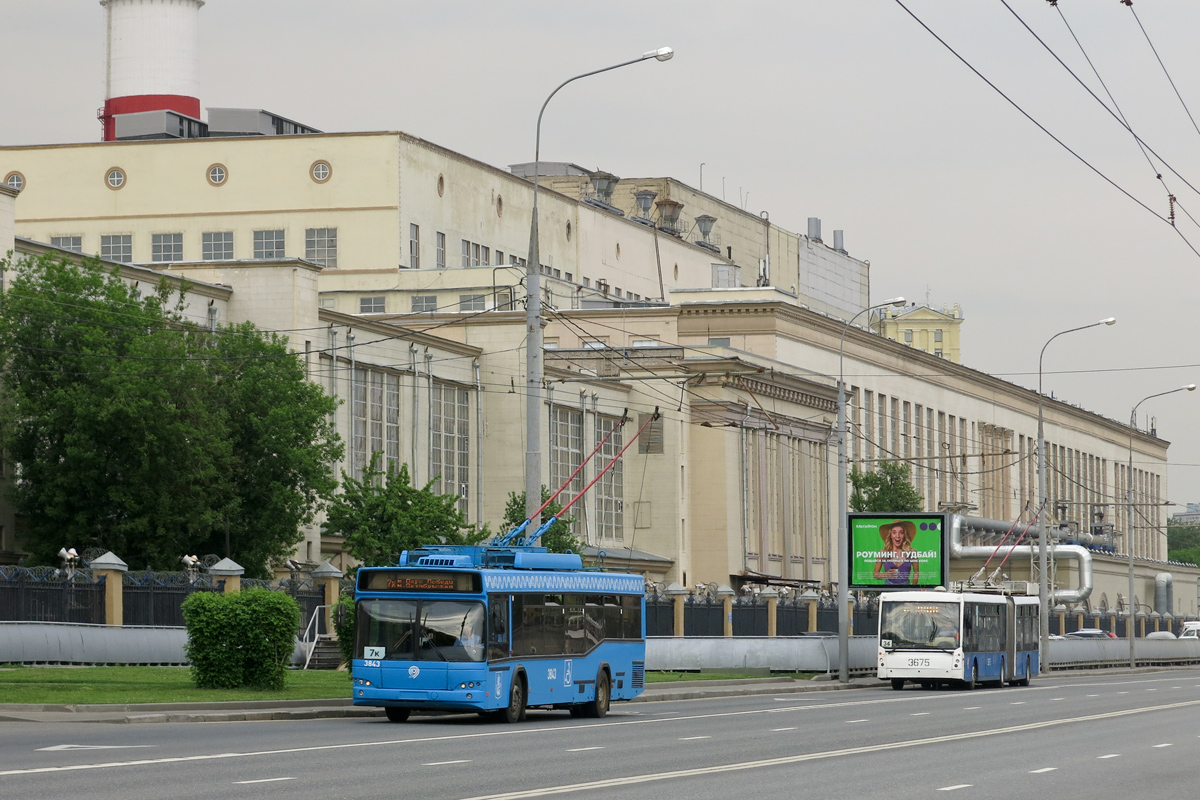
x,y
972,708
1152,690
1176,687
1052,699
444,763
920,714
557,730
1018,703
1092,695
1168,744
583,749
266,780
777,730
58,747
1110,755
692,738
1043,769
1122,692
955,786
852,721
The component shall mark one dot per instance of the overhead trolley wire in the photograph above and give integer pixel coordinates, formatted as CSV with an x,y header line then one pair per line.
x,y
1154,50
1043,128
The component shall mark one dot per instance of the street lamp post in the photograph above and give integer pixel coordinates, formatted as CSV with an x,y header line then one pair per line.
x,y
1043,527
533,310
1191,387
843,554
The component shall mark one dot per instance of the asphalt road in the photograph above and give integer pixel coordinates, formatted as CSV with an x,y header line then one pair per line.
x,y
1109,736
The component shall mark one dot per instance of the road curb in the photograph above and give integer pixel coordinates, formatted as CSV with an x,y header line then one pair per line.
x,y
342,708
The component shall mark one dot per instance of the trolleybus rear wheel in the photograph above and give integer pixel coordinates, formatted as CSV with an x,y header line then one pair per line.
x,y
599,707
396,714
897,683
973,680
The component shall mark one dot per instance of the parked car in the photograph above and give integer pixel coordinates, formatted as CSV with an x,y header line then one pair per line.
x,y
1161,635
1091,633
1191,630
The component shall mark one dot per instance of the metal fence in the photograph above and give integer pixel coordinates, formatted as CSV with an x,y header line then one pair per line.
x,y
703,615
301,589
45,594
156,598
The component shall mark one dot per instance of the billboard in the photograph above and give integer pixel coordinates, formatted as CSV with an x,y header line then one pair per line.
x,y
898,551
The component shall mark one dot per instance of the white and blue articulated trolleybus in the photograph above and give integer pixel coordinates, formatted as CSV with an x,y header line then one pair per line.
x,y
500,628
964,638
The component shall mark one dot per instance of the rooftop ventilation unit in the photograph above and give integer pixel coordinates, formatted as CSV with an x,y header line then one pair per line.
x,y
705,223
603,184
814,228
668,216
645,199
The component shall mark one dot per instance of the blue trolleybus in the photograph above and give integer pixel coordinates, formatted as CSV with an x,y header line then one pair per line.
x,y
497,630
934,637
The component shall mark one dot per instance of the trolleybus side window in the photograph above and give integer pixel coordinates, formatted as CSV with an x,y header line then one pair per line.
x,y
984,628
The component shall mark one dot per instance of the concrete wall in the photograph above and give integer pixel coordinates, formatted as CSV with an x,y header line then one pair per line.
x,y
66,643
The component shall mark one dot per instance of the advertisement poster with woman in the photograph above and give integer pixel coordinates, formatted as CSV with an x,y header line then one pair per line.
x,y
904,551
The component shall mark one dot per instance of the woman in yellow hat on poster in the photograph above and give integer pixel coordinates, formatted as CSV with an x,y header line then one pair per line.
x,y
896,565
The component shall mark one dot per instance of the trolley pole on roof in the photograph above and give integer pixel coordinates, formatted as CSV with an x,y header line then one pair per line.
x,y
533,309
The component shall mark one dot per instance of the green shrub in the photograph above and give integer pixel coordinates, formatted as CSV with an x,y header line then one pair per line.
x,y
343,625
240,639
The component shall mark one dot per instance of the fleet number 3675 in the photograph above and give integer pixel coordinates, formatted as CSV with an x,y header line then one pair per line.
x,y
918,662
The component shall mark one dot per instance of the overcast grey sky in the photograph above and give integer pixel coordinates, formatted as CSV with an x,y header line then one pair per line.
x,y
846,110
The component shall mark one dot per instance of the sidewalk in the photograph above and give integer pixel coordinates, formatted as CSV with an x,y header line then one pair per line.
x,y
265,710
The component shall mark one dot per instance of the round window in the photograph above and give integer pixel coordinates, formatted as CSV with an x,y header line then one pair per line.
x,y
320,171
115,178
14,180
217,174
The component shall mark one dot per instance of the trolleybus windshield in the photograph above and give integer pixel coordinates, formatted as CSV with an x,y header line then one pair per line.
x,y
924,625
420,630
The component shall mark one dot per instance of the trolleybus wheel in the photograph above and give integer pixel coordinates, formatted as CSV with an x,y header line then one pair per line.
x,y
599,707
396,714
578,711
974,679
897,683
516,701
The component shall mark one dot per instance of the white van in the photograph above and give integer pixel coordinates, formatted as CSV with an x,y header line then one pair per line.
x,y
1191,630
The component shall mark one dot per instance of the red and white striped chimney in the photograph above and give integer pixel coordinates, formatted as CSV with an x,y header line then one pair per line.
x,y
152,58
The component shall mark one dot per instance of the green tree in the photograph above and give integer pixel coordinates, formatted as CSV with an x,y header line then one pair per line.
x,y
558,538
134,430
1183,543
382,514
887,488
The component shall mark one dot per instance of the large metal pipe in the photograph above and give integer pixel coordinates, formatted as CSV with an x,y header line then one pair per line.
x,y
959,524
1164,591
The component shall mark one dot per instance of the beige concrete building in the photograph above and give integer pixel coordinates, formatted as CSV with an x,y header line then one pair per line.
x,y
371,252
935,330
823,276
